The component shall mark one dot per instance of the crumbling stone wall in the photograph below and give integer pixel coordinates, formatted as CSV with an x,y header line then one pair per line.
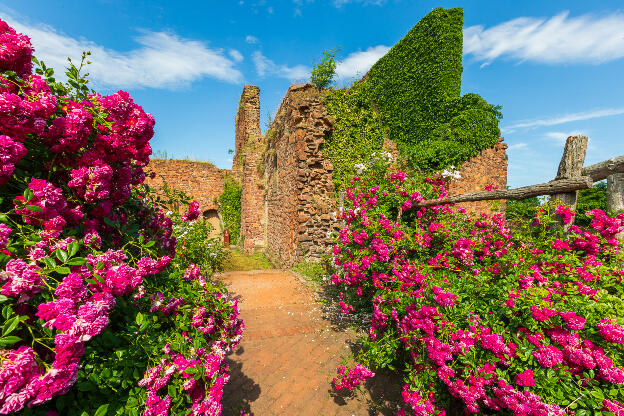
x,y
289,204
203,181
247,167
299,199
200,180
487,168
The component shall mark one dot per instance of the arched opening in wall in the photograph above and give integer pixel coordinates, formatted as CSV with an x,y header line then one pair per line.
x,y
213,218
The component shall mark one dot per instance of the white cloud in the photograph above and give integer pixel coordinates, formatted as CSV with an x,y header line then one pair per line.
x,y
265,66
251,39
566,118
561,137
358,63
340,3
235,55
558,39
517,146
163,60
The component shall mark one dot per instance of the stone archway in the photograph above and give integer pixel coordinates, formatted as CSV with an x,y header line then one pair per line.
x,y
214,219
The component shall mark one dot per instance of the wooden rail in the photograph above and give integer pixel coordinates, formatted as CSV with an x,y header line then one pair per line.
x,y
571,177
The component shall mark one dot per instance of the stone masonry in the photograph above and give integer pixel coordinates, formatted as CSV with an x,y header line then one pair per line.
x,y
487,168
300,204
247,167
288,203
201,180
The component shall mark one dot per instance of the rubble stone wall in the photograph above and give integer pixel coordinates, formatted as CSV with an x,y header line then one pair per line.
x,y
201,180
487,168
247,167
299,199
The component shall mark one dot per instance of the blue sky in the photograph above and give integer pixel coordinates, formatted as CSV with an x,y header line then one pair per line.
x,y
556,67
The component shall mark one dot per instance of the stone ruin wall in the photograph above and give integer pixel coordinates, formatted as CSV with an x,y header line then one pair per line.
x,y
487,168
300,206
299,197
288,203
247,167
200,180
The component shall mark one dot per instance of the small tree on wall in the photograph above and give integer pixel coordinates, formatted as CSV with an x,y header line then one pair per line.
x,y
325,69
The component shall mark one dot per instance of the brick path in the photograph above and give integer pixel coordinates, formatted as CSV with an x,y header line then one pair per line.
x,y
289,353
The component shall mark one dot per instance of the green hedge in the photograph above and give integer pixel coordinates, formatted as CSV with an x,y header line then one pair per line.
x,y
230,202
417,87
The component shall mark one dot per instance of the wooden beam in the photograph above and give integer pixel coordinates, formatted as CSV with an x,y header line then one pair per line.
x,y
602,170
549,188
571,166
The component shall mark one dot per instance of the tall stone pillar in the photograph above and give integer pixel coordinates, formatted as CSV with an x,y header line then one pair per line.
x,y
250,146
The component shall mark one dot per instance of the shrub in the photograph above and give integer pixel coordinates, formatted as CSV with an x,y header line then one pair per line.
x,y
324,69
230,204
96,317
526,322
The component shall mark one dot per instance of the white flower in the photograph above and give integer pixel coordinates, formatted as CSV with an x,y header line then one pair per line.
x,y
451,173
359,167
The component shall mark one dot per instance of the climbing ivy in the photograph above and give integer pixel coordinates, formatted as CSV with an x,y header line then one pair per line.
x,y
412,96
416,87
358,131
230,202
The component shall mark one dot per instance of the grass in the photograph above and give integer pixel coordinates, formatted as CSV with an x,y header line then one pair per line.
x,y
311,271
238,261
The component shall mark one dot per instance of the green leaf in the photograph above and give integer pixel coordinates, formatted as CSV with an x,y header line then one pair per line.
x,y
62,270
11,339
10,325
49,262
7,311
28,194
3,298
77,261
72,248
34,208
139,318
150,243
109,222
101,411
61,255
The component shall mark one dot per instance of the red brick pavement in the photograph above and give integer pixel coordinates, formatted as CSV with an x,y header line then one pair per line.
x,y
289,353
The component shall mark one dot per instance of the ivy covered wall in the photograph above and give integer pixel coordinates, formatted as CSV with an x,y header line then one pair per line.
x,y
412,96
417,87
230,205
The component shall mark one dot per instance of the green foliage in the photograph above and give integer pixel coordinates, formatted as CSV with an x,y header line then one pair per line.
x,y
416,86
593,198
230,202
356,122
522,210
588,199
325,69
198,248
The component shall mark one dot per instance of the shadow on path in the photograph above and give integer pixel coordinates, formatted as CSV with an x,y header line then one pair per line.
x,y
240,391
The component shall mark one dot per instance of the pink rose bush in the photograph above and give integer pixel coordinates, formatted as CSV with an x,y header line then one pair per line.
x,y
99,314
524,321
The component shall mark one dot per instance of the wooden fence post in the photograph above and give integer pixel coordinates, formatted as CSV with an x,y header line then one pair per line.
x,y
571,166
615,196
615,192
